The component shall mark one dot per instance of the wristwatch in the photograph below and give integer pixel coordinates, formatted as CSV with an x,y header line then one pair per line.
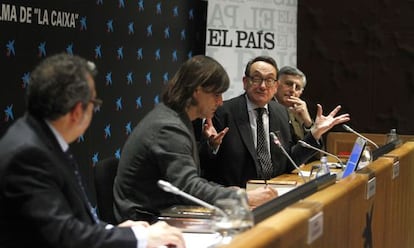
x,y
307,129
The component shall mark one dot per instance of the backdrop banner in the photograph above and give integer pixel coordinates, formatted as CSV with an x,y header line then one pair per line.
x,y
239,30
136,47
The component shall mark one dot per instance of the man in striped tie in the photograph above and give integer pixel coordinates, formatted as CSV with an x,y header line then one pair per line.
x,y
238,136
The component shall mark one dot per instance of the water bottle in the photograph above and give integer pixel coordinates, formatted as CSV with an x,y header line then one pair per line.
x,y
324,165
392,137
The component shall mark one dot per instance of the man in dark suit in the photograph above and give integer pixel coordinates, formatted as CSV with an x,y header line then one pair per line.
x,y
42,199
231,156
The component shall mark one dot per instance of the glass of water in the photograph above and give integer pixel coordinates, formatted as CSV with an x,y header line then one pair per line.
x,y
366,157
233,218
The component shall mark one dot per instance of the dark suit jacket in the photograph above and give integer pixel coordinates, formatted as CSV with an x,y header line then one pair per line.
x,y
40,200
236,160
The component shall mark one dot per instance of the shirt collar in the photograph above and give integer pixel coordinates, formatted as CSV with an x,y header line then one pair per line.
x,y
251,106
59,137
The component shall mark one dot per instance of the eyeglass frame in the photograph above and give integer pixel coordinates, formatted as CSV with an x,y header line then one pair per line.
x,y
97,103
255,81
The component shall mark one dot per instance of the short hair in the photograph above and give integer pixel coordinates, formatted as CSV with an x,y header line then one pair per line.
x,y
293,71
266,59
199,70
57,84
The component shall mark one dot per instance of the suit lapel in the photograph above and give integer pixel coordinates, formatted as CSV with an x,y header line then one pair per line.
x,y
243,125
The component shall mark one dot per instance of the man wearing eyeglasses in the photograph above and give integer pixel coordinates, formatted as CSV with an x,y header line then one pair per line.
x,y
43,202
239,147
292,83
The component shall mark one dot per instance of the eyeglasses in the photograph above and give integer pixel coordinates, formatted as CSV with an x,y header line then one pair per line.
x,y
97,103
294,85
269,82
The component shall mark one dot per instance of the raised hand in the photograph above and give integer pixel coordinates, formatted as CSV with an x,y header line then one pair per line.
x,y
210,132
300,109
325,123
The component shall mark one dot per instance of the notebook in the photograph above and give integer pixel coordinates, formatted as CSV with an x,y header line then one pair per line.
x,y
356,153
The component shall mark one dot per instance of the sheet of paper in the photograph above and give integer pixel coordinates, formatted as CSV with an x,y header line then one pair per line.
x,y
201,240
282,189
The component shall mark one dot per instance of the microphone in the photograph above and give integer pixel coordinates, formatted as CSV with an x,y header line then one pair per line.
x,y
277,142
304,144
349,129
168,187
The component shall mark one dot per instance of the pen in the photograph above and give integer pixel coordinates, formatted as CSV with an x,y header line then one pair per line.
x,y
273,182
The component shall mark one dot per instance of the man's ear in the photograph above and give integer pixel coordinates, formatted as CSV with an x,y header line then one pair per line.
x,y
77,112
198,89
196,92
245,82
277,83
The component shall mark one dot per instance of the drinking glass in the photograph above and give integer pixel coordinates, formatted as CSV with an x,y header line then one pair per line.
x,y
366,157
233,219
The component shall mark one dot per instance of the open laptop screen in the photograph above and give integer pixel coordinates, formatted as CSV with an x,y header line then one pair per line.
x,y
356,153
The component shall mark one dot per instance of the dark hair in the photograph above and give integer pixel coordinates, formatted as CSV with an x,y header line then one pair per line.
x,y
57,84
266,59
293,71
201,71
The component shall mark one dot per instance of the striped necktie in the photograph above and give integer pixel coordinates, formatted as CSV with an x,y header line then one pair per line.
x,y
263,154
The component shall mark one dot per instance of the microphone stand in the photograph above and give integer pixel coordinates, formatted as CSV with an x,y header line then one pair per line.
x,y
168,187
349,129
304,144
277,142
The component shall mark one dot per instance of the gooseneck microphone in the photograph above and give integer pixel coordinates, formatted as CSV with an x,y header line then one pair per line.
x,y
168,187
277,142
349,129
304,144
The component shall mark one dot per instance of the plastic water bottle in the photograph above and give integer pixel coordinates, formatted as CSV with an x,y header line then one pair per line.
x,y
392,136
324,165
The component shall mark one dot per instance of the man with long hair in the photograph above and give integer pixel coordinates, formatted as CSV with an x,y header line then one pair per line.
x,y
163,146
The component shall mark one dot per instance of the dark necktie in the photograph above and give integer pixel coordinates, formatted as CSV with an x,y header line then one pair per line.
x,y
263,154
78,176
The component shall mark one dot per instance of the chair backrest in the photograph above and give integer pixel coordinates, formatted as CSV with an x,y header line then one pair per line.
x,y
105,172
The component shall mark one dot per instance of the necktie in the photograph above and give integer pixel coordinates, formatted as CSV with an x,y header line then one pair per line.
x,y
263,154
78,176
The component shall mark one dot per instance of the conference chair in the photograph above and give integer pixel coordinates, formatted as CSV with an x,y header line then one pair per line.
x,y
105,172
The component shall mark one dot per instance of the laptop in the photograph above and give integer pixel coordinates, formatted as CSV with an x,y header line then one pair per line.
x,y
356,153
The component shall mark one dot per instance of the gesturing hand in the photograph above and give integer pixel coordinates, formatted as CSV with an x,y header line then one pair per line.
x,y
210,132
325,123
